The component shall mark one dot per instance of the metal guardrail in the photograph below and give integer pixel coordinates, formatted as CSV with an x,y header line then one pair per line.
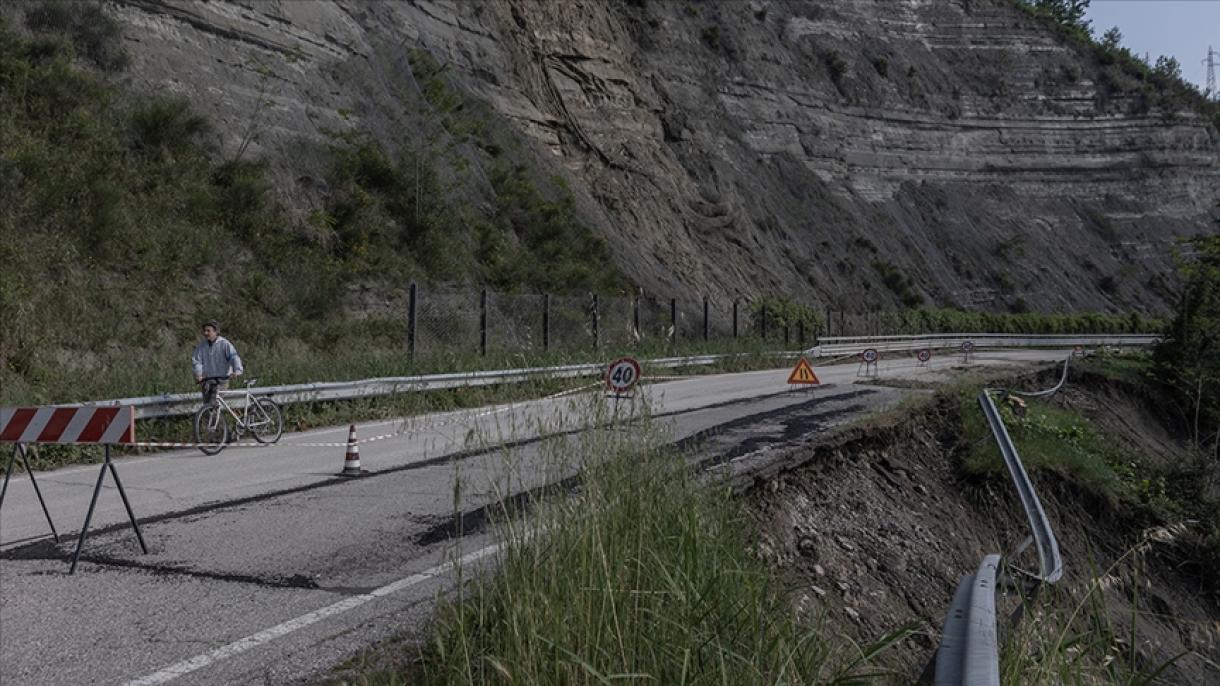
x,y
1049,562
840,345
969,653
171,405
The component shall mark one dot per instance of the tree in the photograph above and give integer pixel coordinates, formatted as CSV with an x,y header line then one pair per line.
x,y
1069,13
1188,360
1112,39
1167,70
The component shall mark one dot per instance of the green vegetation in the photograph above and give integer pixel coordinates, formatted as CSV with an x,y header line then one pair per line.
x,y
1157,85
781,313
898,283
1078,639
1188,361
1050,438
123,227
643,575
957,321
836,65
1143,491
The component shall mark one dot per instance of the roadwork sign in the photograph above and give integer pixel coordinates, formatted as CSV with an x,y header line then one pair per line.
x,y
803,374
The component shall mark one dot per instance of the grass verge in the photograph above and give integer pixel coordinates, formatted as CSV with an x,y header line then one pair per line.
x,y
644,575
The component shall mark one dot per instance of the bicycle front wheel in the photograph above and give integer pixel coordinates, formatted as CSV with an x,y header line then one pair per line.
x,y
211,429
265,420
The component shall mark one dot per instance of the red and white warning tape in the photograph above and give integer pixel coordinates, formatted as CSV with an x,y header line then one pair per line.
x,y
345,444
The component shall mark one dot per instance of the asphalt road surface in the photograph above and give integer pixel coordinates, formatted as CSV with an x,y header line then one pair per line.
x,y
264,566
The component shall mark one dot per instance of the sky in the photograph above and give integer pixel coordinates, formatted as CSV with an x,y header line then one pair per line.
x,y
1179,28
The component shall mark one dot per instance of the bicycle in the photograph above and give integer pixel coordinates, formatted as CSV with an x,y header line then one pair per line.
x,y
260,416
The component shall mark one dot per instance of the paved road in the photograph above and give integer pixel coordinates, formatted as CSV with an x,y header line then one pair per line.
x,y
265,567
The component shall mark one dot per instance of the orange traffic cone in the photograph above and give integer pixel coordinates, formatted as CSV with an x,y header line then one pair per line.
x,y
351,461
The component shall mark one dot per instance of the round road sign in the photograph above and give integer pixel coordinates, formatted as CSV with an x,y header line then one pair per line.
x,y
967,346
924,355
869,355
622,374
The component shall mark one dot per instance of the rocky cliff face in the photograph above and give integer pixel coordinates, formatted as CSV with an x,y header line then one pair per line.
x,y
852,152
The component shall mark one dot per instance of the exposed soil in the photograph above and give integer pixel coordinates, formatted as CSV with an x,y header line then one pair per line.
x,y
873,527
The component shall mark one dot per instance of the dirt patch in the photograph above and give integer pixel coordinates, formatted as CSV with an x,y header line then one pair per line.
x,y
873,530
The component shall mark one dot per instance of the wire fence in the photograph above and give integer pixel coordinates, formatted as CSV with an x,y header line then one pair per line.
x,y
480,322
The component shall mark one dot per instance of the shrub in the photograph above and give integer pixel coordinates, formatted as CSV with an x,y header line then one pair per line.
x,y
898,283
94,34
165,125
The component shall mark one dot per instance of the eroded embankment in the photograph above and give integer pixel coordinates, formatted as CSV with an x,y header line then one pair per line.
x,y
873,530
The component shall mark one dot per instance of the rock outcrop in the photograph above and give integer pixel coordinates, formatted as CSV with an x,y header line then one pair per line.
x,y
831,151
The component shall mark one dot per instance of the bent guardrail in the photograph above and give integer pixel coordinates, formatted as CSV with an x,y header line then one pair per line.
x,y
1049,562
968,651
841,345
172,405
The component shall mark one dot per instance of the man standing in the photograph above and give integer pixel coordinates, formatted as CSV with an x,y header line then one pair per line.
x,y
214,361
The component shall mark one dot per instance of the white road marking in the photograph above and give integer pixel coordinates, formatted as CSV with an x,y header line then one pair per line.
x,y
255,640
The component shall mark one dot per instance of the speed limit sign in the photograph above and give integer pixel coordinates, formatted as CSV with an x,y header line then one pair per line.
x,y
924,355
869,355
622,374
967,347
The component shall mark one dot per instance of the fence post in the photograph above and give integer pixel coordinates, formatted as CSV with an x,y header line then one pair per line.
x,y
673,320
635,318
411,309
830,320
483,323
800,332
734,318
786,328
546,322
705,319
763,321
596,337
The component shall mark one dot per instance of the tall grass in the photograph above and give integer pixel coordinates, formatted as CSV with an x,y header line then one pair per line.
x,y
1090,633
643,575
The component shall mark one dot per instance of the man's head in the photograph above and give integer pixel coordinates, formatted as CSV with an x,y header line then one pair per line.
x,y
211,329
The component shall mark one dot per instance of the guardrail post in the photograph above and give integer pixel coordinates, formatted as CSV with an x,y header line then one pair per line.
x,y
483,323
411,310
673,320
734,318
596,317
546,322
705,319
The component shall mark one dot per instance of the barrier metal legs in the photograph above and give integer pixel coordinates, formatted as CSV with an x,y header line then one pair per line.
x,y
25,462
80,543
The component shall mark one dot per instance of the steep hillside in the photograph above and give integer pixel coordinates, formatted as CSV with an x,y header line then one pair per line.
x,y
962,153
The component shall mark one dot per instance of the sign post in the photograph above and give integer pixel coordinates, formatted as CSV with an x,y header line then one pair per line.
x,y
967,349
868,362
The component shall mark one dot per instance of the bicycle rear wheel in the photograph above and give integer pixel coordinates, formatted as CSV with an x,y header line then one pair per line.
x,y
265,420
211,429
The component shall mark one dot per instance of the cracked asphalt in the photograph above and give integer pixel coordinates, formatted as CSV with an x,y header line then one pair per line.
x,y
251,551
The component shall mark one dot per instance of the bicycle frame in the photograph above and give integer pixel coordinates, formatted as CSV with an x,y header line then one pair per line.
x,y
242,423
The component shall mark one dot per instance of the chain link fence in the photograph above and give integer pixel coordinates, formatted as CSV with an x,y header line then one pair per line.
x,y
464,322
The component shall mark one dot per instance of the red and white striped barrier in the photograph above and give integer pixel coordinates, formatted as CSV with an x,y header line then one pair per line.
x,y
107,425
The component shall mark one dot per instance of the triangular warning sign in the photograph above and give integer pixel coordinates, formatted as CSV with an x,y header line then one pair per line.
x,y
803,374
